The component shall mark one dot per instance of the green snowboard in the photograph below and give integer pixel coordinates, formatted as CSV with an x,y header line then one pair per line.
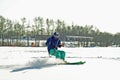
x,y
75,63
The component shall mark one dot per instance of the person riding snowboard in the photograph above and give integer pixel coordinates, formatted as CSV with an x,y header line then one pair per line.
x,y
52,44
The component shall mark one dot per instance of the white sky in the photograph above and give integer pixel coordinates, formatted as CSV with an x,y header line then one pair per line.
x,y
103,14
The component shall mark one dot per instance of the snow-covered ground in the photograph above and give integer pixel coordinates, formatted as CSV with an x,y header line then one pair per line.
x,y
33,63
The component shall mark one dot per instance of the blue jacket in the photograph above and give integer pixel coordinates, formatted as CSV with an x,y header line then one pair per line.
x,y
53,43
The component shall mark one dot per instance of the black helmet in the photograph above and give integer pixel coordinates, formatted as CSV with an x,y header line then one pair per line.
x,y
56,34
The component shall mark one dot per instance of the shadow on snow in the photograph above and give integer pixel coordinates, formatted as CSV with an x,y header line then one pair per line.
x,y
37,64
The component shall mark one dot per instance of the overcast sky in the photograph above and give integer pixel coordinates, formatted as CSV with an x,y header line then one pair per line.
x,y
103,14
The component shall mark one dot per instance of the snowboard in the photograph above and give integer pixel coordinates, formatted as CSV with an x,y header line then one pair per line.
x,y
74,63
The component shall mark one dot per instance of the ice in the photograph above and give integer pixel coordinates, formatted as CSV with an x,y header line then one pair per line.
x,y
33,63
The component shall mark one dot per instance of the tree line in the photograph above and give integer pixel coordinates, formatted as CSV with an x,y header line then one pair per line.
x,y
14,31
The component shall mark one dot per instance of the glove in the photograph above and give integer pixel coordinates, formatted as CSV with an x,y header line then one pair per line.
x,y
63,44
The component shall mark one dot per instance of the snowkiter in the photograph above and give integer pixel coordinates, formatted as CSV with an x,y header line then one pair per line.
x,y
52,44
